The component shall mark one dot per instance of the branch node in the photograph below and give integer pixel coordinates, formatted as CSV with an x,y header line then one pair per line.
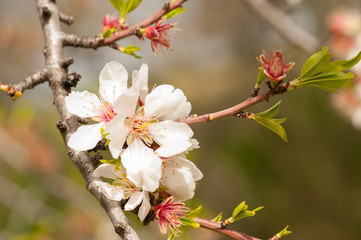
x,y
254,92
83,120
72,80
61,126
66,62
45,12
166,6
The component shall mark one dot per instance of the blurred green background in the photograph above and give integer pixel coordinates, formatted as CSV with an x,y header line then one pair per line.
x,y
312,183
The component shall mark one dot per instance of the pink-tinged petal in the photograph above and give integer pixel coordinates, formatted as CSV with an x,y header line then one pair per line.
x,y
126,103
172,137
140,81
144,208
108,171
116,133
83,104
112,81
135,199
112,192
143,167
86,137
167,103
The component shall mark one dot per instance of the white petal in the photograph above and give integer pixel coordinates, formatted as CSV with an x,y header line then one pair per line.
x,y
144,208
143,167
112,192
112,81
83,104
134,201
117,134
172,137
107,171
86,137
126,103
140,81
185,163
167,103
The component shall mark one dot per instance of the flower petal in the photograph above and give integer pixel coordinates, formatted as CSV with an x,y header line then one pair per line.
x,y
140,81
83,104
107,171
112,81
143,167
166,103
173,137
145,207
126,103
112,192
117,134
134,201
86,137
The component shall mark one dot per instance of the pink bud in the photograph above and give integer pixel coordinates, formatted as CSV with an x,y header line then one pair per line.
x,y
273,65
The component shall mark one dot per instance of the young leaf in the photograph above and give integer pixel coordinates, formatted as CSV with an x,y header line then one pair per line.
x,y
329,81
282,233
347,64
270,112
129,6
273,124
218,218
113,161
317,63
118,4
189,222
241,211
193,214
130,50
174,12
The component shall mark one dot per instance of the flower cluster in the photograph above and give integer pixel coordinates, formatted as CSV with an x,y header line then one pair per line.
x,y
146,140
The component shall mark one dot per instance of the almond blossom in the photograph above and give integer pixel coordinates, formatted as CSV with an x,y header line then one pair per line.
x,y
99,107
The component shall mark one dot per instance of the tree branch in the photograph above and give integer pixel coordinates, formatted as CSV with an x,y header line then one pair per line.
x,y
214,226
284,25
87,42
57,76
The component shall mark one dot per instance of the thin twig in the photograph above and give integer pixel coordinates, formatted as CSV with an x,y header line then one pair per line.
x,y
214,226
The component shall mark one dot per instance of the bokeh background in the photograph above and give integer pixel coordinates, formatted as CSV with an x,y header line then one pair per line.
x,y
312,183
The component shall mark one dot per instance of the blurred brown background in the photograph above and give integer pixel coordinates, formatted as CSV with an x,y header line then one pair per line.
x,y
312,183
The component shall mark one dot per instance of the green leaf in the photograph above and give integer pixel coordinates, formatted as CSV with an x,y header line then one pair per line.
x,y
347,64
118,4
328,81
260,78
130,5
189,222
193,214
174,12
241,211
282,233
172,235
273,124
113,161
218,218
130,50
317,63
270,112
104,136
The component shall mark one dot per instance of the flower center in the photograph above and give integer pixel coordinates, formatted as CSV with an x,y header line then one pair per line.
x,y
106,111
138,126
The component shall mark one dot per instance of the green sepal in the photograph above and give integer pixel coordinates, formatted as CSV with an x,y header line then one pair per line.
x,y
218,218
160,189
104,136
260,78
130,50
172,235
108,32
189,222
116,162
270,112
193,214
317,63
273,124
174,12
241,211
